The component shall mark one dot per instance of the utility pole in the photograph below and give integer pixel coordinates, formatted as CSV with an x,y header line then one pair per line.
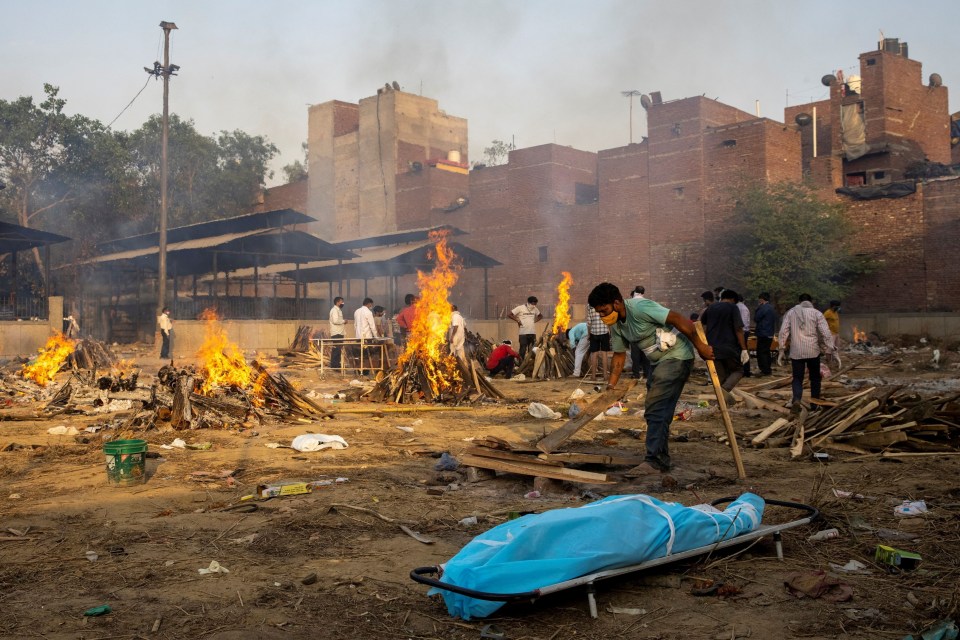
x,y
629,94
165,72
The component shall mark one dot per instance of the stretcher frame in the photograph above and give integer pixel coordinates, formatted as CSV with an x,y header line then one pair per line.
x,y
420,574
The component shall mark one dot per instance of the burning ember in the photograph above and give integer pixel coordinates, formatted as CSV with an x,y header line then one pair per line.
x,y
859,337
561,319
428,333
222,361
51,358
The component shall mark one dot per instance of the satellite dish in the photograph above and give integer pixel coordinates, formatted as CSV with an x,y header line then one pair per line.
x,y
645,101
936,80
803,119
828,80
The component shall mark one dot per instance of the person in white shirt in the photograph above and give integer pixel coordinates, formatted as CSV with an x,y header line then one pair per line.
x,y
337,324
526,316
166,329
805,333
745,316
457,334
366,327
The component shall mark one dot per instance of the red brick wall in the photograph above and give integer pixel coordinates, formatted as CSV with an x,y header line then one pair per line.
x,y
941,216
891,230
346,118
420,194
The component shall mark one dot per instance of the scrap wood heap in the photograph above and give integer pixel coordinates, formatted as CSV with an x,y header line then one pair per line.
x,y
309,358
478,347
91,354
546,460
553,357
301,341
869,420
409,381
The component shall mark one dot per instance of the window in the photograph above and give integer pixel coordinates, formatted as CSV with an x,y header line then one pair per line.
x,y
856,179
678,192
543,253
728,144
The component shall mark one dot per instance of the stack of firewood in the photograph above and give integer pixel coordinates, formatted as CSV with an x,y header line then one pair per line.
x,y
410,382
478,347
301,341
90,354
869,420
310,358
553,358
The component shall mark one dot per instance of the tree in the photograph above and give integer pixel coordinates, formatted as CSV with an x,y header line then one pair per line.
x,y
785,240
296,170
53,164
498,152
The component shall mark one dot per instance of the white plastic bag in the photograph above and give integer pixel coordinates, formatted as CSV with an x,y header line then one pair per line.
x,y
317,442
540,410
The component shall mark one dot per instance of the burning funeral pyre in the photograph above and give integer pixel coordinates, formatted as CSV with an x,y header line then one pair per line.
x,y
553,357
426,370
224,391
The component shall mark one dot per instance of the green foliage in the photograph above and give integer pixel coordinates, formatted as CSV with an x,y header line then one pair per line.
x,y
498,152
785,240
296,170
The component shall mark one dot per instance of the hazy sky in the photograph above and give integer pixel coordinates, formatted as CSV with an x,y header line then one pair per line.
x,y
535,71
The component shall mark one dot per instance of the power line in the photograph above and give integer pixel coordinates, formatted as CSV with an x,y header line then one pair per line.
x,y
129,103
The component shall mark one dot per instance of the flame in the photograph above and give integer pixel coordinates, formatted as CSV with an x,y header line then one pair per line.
x,y
859,336
222,361
51,358
561,319
431,319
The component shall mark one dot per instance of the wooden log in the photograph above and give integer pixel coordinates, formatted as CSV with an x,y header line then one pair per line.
x,y
778,424
182,410
879,439
847,422
592,458
555,438
498,454
727,422
759,403
527,469
796,447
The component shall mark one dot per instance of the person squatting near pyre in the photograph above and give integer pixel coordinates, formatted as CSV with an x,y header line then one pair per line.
x,y
503,359
656,329
526,316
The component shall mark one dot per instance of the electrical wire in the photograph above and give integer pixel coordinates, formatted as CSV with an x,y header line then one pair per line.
x,y
131,102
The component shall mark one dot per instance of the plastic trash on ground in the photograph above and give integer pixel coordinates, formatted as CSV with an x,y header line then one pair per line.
x,y
215,567
446,463
908,508
540,410
317,442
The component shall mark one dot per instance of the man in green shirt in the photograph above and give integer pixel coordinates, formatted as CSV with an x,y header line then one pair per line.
x,y
654,329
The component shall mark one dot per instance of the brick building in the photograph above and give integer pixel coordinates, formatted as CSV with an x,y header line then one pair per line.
x,y
645,213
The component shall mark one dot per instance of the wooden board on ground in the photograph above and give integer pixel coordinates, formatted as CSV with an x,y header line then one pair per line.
x,y
535,469
555,438
591,458
778,424
485,452
879,439
758,403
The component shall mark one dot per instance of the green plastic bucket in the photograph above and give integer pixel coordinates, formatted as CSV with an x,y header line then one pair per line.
x,y
126,462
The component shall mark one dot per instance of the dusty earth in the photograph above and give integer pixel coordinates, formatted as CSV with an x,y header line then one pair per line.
x,y
151,539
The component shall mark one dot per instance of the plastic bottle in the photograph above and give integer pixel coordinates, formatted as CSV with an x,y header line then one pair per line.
x,y
826,534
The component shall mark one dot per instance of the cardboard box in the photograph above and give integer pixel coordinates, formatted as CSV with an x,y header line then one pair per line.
x,y
904,560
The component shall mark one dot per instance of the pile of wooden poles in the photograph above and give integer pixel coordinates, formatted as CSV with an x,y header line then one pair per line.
x,y
867,421
553,358
409,382
90,354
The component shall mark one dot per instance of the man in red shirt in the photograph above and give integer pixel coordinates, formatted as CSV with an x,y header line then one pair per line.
x,y
405,318
503,359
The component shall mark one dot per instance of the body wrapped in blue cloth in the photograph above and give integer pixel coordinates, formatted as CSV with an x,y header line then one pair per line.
x,y
539,550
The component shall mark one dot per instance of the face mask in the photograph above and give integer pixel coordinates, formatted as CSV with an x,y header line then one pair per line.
x,y
610,319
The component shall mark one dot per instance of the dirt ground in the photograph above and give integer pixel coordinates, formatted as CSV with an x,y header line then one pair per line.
x,y
150,540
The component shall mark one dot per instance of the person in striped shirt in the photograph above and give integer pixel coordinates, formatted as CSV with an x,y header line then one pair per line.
x,y
805,332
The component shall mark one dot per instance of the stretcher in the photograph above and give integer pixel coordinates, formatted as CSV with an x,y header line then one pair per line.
x,y
806,514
